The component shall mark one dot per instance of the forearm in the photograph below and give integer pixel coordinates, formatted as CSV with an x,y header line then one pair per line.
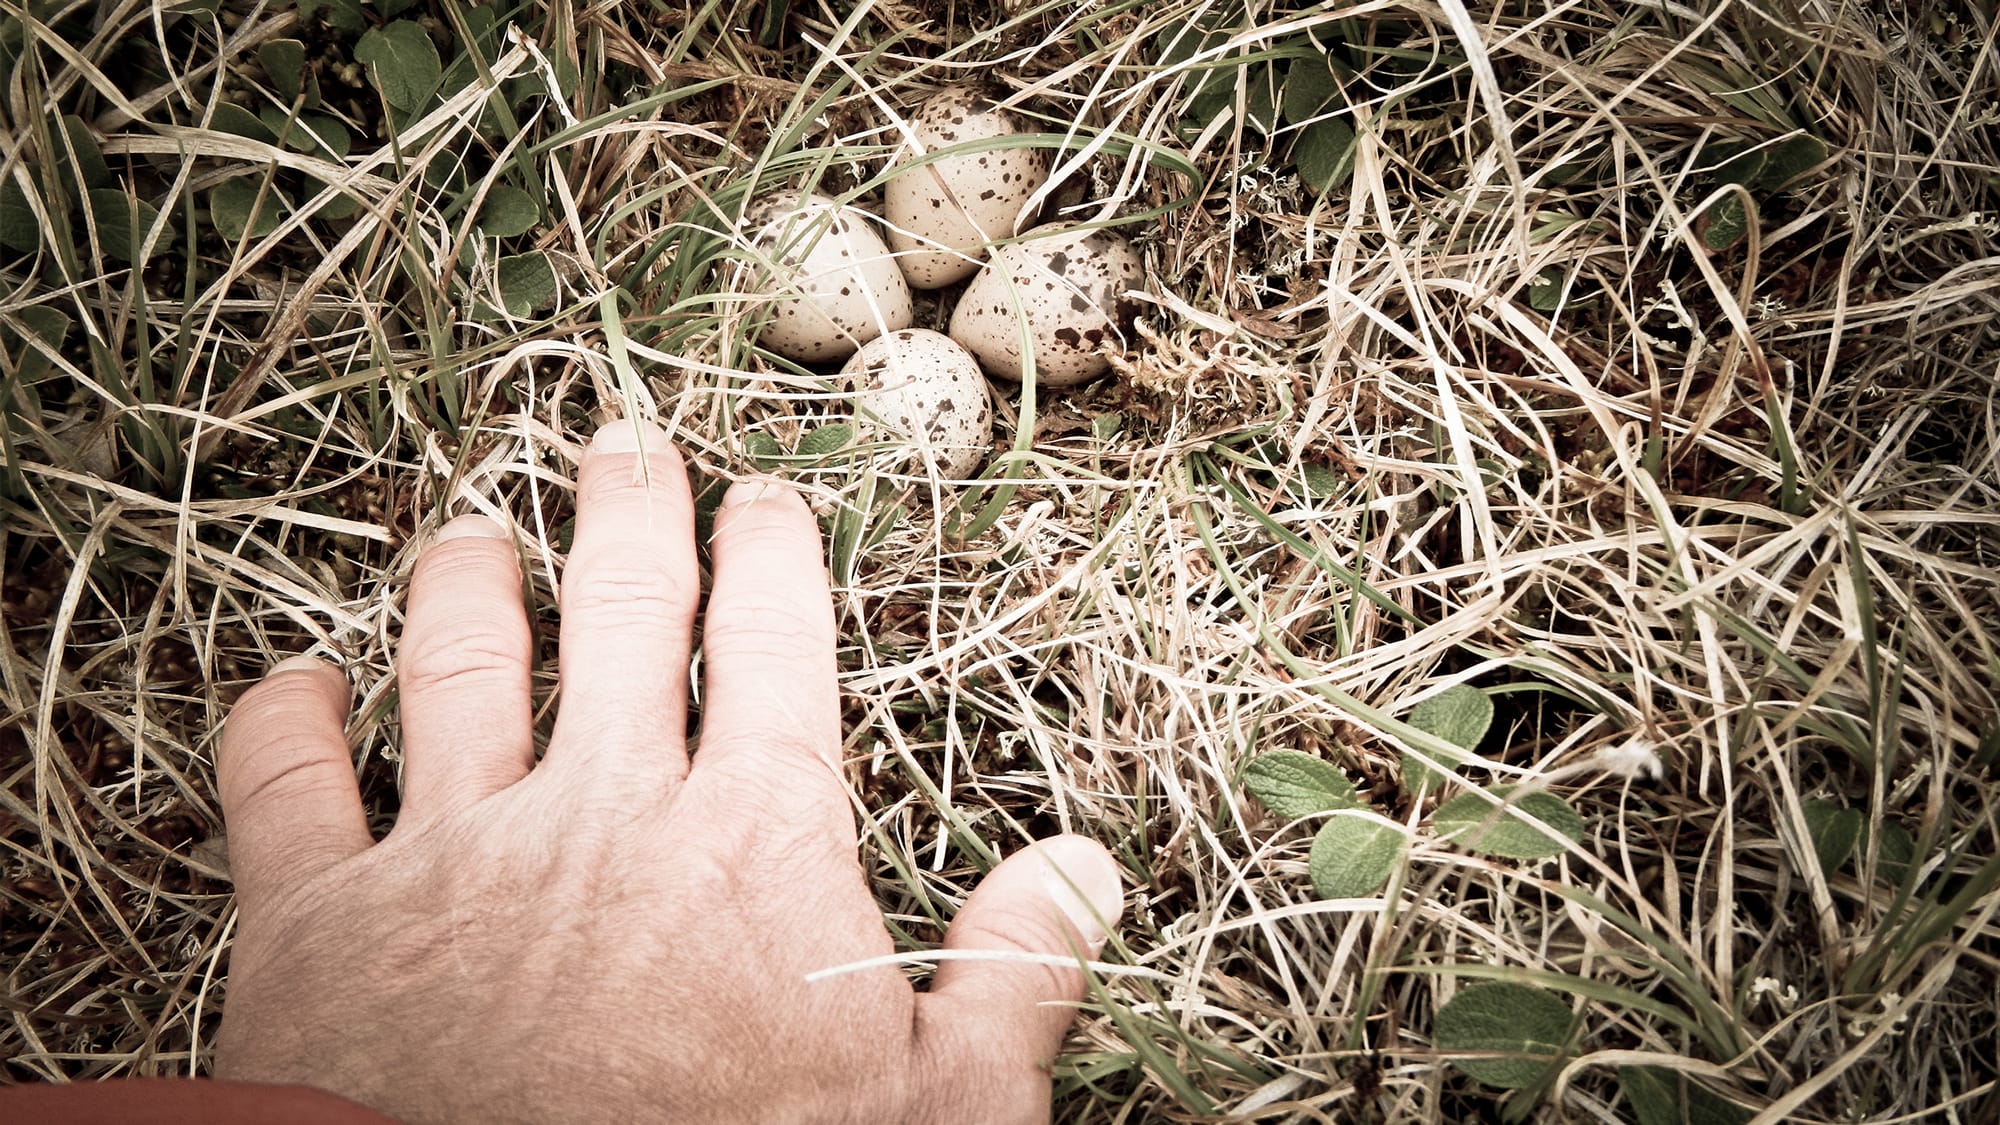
x,y
180,1101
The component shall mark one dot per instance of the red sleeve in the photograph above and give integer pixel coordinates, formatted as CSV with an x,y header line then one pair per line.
x,y
179,1101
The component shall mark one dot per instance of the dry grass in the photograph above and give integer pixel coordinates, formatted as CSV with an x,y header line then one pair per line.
x,y
1762,547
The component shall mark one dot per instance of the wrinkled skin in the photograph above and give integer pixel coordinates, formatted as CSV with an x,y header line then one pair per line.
x,y
612,933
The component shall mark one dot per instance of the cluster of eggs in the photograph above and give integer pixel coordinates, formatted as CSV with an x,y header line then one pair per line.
x,y
1057,293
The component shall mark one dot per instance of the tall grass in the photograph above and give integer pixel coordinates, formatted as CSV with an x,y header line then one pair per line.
x,y
1633,365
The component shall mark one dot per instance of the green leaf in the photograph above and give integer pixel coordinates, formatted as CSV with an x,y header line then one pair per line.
x,y
1659,1096
81,162
235,120
771,22
19,230
1420,779
824,440
763,450
235,209
1787,161
404,61
526,282
337,208
122,222
1835,831
1742,168
1727,222
1322,153
312,133
1316,482
1352,856
344,15
1310,87
1293,784
284,62
1105,426
1473,823
508,211
1529,1024
1545,291
45,329
1895,851
1460,714
1260,101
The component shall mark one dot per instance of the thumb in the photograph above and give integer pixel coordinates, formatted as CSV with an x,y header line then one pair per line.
x,y
1055,899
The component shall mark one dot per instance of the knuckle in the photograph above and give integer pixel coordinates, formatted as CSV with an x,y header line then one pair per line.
x,y
759,531
786,801
458,562
647,482
628,584
287,767
1009,927
762,631
461,647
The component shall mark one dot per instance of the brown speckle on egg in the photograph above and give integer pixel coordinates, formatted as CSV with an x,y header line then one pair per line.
x,y
1071,284
944,214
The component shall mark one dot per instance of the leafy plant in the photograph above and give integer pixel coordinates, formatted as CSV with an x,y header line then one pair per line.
x,y
1461,715
1762,171
1659,1096
1476,824
1514,1033
1290,85
1353,855
1834,831
526,282
404,63
1293,784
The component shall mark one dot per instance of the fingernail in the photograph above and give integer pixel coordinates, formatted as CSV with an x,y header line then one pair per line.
x,y
300,663
1082,880
469,527
627,435
752,490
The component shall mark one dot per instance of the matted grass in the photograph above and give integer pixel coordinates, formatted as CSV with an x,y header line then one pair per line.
x,y
1514,404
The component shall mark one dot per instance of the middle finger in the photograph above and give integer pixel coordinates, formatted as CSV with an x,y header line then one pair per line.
x,y
628,602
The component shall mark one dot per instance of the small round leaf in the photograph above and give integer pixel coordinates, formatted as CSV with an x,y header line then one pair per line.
x,y
1460,714
508,211
404,61
1322,153
1293,784
823,440
236,208
1835,830
1353,855
122,223
1659,1096
1475,824
526,282
1527,1027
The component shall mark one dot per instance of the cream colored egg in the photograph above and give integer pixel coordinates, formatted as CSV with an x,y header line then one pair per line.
x,y
830,277
1069,284
921,394
943,214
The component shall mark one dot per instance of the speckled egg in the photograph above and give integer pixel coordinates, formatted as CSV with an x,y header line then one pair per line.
x,y
942,214
832,280
1070,284
919,392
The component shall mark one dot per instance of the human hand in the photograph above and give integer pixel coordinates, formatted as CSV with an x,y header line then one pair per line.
x,y
611,934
